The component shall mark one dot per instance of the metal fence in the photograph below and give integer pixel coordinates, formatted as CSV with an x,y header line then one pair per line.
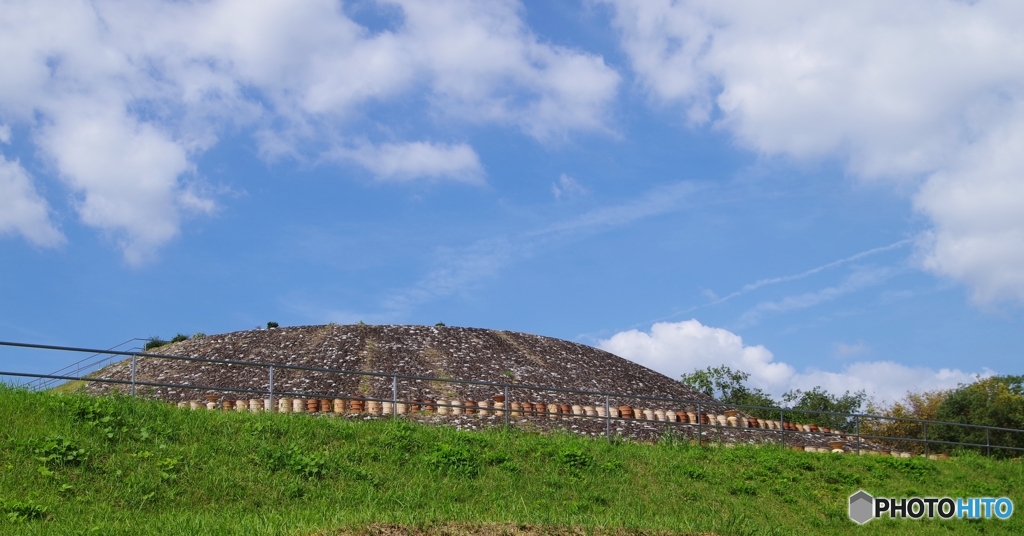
x,y
862,432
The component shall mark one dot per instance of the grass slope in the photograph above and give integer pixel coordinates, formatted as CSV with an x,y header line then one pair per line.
x,y
71,464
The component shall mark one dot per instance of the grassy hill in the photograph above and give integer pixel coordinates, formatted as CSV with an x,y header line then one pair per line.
x,y
71,464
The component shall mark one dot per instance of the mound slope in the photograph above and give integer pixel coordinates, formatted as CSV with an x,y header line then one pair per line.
x,y
428,351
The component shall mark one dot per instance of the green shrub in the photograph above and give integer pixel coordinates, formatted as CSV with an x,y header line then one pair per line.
x,y
154,342
272,325
179,337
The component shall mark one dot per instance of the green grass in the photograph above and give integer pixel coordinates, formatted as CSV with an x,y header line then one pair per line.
x,y
71,464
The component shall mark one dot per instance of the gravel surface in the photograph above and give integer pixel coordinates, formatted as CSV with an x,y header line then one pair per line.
x,y
439,352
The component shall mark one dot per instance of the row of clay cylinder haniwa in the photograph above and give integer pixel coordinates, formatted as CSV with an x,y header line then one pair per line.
x,y
495,407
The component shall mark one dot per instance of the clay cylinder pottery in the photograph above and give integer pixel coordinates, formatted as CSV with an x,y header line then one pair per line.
x,y
796,447
339,405
671,415
498,400
212,406
469,407
182,404
227,405
284,405
255,404
515,409
942,456
588,411
373,407
626,412
814,428
731,413
741,421
691,416
567,410
659,415
613,412
807,428
682,416
312,405
356,405
387,408
600,410
836,444
193,404
732,421
266,405
649,414
212,398
457,407
761,423
241,405
483,408
325,405
539,409
442,409
401,408
416,405
298,405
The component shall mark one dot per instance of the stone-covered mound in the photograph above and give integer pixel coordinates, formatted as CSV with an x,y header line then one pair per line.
x,y
427,351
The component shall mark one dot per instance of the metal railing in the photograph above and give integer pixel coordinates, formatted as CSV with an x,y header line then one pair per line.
x,y
706,430
85,365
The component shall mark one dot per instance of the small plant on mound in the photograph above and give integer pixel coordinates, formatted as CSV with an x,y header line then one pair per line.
x,y
56,452
179,338
271,325
311,466
20,512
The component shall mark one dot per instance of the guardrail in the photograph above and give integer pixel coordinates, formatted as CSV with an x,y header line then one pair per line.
x,y
705,429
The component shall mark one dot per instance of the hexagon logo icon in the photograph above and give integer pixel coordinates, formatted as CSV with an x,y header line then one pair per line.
x,y
862,506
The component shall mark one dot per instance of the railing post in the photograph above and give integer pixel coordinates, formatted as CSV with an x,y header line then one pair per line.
x,y
782,425
394,396
988,441
924,432
133,375
856,421
607,419
700,427
270,389
506,403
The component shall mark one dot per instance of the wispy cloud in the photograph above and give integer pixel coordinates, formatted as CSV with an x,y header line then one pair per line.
x,y
858,280
460,269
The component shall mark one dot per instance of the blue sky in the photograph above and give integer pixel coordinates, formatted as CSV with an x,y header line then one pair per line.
x,y
816,194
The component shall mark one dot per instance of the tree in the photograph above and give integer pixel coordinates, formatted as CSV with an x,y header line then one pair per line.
x,y
818,399
996,401
728,386
914,405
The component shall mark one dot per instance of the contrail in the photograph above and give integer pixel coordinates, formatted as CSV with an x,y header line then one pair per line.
x,y
775,280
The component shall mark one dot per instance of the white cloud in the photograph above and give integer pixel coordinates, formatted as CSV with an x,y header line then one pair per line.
x,y
165,78
22,210
675,348
409,161
568,187
930,92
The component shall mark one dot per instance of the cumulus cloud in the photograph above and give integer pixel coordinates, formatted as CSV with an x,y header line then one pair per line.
x,y
924,93
164,79
22,210
675,348
409,161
